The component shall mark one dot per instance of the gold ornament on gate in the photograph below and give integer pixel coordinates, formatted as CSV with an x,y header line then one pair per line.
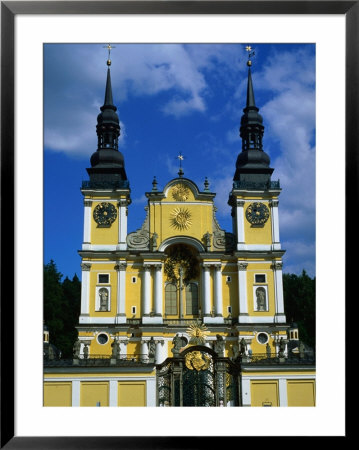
x,y
197,360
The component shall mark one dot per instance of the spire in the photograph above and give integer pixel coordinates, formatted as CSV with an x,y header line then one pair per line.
x,y
252,163
107,163
108,92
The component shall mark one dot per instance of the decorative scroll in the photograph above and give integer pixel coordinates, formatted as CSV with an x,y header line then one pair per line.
x,y
140,239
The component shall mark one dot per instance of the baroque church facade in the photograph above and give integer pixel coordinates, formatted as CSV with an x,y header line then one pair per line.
x,y
181,312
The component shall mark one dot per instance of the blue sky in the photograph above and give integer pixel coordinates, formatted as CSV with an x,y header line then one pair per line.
x,y
175,98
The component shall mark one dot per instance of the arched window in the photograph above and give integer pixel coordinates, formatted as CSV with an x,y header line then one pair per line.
x,y
192,299
171,299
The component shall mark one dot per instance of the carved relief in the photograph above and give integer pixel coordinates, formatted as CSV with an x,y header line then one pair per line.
x,y
221,239
140,239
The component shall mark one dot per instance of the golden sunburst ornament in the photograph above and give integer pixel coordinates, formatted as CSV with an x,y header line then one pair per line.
x,y
198,333
181,219
180,193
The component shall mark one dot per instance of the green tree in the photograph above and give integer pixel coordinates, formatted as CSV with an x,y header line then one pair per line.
x,y
299,300
61,308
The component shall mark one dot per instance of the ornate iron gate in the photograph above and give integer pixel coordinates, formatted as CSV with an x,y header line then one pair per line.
x,y
197,377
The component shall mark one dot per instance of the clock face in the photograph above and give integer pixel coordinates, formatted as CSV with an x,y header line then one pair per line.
x,y
105,214
257,213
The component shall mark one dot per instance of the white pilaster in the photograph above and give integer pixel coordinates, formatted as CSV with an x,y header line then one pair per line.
x,y
240,224
283,398
85,289
218,298
275,225
242,290
206,291
146,290
123,346
246,392
151,391
87,222
278,285
113,400
161,351
122,225
158,290
121,292
76,385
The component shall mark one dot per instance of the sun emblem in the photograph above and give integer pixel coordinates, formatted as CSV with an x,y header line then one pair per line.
x,y
180,193
198,333
181,219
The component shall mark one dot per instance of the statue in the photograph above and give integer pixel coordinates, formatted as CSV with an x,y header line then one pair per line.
x,y
261,299
219,345
281,348
154,241
268,350
177,345
86,350
235,350
76,349
103,293
151,348
115,349
243,346
301,349
207,240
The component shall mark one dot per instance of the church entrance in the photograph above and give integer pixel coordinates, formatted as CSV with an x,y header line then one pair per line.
x,y
198,377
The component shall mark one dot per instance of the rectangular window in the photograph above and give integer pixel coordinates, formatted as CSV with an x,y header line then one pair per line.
x,y
228,279
134,279
260,278
103,278
133,310
229,309
171,299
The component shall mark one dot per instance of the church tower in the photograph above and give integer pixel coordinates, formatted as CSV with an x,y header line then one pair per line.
x,y
106,198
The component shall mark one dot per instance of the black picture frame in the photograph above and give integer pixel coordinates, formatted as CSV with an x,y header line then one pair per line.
x,y
9,9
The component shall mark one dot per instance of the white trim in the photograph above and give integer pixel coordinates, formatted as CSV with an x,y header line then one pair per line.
x,y
158,307
87,224
240,225
275,226
113,393
283,395
151,392
146,291
260,282
246,392
259,319
98,278
242,290
97,320
277,377
218,297
206,304
99,247
181,240
85,292
122,228
76,386
199,202
101,379
255,247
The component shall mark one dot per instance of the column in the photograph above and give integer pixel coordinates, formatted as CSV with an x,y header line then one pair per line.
x,y
123,347
218,298
206,305
144,351
87,224
158,290
160,354
275,224
278,287
146,290
246,392
122,224
121,292
85,291
242,291
240,225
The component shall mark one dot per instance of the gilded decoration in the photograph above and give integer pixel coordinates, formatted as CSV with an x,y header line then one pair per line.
x,y
180,259
198,333
181,219
180,193
197,360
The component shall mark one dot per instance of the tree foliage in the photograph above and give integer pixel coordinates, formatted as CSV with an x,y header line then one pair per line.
x,y
299,303
61,308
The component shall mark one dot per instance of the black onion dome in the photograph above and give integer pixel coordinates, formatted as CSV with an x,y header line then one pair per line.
x,y
106,157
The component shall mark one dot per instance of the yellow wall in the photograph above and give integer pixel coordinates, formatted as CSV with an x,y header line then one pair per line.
x,y
104,236
301,392
132,393
93,392
264,393
257,234
58,394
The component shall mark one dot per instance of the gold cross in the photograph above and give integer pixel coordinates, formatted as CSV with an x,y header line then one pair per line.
x,y
180,157
109,48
